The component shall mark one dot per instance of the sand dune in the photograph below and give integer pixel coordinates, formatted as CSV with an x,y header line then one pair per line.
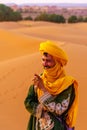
x,y
20,59
15,45
15,77
57,32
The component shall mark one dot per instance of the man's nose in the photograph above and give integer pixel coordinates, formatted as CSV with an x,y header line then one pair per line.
x,y
45,63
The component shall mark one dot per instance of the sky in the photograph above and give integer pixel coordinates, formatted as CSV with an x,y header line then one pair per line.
x,y
42,1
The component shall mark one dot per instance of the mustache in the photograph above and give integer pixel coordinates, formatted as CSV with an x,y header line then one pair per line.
x,y
46,67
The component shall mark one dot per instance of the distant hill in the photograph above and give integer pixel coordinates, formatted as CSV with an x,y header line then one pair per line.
x,y
54,4
65,9
72,4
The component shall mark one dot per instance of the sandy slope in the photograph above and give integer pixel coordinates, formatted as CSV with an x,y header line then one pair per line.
x,y
15,77
19,60
58,32
14,45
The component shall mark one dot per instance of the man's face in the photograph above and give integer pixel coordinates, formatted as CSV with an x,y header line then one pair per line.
x,y
48,61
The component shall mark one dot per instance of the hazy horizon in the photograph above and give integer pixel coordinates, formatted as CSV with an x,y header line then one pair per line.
x,y
50,4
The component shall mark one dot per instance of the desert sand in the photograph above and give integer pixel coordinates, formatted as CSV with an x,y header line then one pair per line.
x,y
20,59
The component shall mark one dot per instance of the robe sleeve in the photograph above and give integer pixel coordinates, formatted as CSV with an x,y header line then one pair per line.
x,y
31,103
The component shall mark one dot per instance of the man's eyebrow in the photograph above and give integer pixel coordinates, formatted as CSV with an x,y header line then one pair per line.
x,y
45,54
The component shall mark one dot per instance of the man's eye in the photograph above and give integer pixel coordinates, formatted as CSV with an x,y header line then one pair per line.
x,y
43,59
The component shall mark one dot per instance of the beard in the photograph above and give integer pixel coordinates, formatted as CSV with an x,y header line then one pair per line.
x,y
47,67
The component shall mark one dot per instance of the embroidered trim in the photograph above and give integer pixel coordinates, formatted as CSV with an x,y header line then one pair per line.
x,y
39,110
45,97
59,108
46,123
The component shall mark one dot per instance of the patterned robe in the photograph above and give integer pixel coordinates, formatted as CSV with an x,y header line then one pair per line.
x,y
49,112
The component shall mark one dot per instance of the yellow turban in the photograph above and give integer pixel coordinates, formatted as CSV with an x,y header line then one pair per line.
x,y
52,49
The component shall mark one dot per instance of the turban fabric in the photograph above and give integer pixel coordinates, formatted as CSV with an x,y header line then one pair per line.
x,y
52,49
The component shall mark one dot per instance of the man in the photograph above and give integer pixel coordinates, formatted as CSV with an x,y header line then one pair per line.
x,y
52,99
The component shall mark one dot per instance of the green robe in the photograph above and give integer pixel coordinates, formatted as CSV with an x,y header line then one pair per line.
x,y
55,118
